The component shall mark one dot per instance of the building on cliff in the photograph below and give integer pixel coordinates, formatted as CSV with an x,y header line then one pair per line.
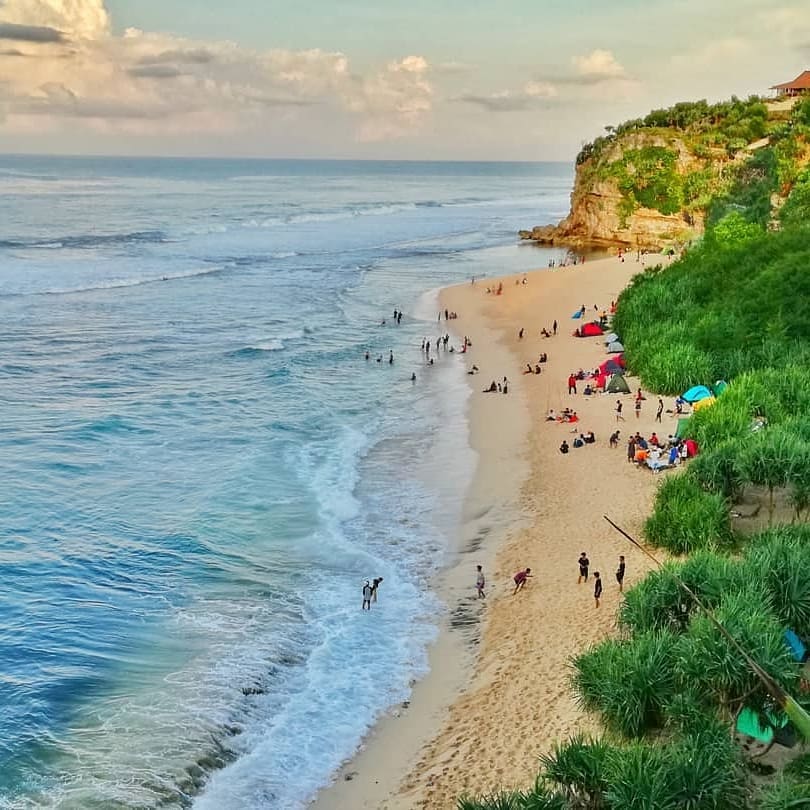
x,y
800,86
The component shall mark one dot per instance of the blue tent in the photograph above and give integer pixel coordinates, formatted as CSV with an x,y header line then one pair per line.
x,y
696,393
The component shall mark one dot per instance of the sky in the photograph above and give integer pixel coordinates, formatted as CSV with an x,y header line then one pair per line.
x,y
400,79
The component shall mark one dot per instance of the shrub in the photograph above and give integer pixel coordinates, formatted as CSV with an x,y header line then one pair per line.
x,y
686,518
577,770
627,682
711,664
658,602
720,470
779,560
786,795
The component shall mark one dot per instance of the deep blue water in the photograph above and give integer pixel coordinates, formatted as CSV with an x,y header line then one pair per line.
x,y
200,469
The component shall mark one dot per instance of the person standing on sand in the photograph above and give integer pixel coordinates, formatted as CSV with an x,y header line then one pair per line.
x,y
554,327
631,449
660,410
520,579
619,416
367,596
572,384
480,582
584,564
597,587
638,408
620,573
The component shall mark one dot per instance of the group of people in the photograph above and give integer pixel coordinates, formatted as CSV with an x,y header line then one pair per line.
x,y
566,415
657,454
580,441
584,569
448,315
543,358
380,357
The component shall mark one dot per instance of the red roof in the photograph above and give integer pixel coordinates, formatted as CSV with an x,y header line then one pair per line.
x,y
801,82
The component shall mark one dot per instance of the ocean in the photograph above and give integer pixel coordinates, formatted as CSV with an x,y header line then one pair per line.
x,y
200,469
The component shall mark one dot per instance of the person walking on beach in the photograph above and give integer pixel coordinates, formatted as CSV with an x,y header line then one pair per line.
x,y
619,416
375,583
572,384
584,564
367,596
520,579
597,587
637,407
620,573
660,410
554,327
480,582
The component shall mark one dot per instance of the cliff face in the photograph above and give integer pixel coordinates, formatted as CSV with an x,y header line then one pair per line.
x,y
607,203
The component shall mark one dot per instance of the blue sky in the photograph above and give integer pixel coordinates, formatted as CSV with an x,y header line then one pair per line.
x,y
416,79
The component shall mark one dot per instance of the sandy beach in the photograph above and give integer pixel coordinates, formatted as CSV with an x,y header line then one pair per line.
x,y
498,694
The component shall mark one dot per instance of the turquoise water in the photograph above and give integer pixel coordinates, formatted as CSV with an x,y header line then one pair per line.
x,y
200,469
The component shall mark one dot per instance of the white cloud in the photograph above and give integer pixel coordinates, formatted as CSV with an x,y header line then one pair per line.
x,y
599,64
149,82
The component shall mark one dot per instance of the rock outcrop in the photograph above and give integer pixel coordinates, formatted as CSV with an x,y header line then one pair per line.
x,y
599,215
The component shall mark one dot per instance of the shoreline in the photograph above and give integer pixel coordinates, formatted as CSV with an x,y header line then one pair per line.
x,y
371,777
484,713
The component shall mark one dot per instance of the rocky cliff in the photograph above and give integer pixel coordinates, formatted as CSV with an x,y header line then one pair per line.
x,y
651,182
606,211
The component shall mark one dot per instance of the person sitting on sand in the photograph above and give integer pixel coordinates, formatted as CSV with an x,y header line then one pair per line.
x,y
473,370
579,441
520,579
552,416
545,333
537,369
564,447
543,358
654,440
572,417
588,390
529,369
614,439
493,387
589,438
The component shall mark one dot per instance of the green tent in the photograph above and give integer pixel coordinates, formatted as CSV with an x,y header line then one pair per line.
x,y
617,385
719,387
749,723
683,422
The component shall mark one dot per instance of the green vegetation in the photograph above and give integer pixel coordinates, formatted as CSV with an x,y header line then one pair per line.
x,y
669,688
700,159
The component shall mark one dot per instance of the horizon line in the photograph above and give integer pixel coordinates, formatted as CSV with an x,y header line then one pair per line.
x,y
261,158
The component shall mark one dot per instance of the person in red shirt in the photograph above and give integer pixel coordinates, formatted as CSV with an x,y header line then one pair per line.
x,y
520,579
572,384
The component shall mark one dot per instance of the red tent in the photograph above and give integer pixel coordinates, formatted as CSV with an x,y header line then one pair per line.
x,y
590,330
614,365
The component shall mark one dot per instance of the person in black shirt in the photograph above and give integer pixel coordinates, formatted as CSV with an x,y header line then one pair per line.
x,y
584,563
620,572
597,587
